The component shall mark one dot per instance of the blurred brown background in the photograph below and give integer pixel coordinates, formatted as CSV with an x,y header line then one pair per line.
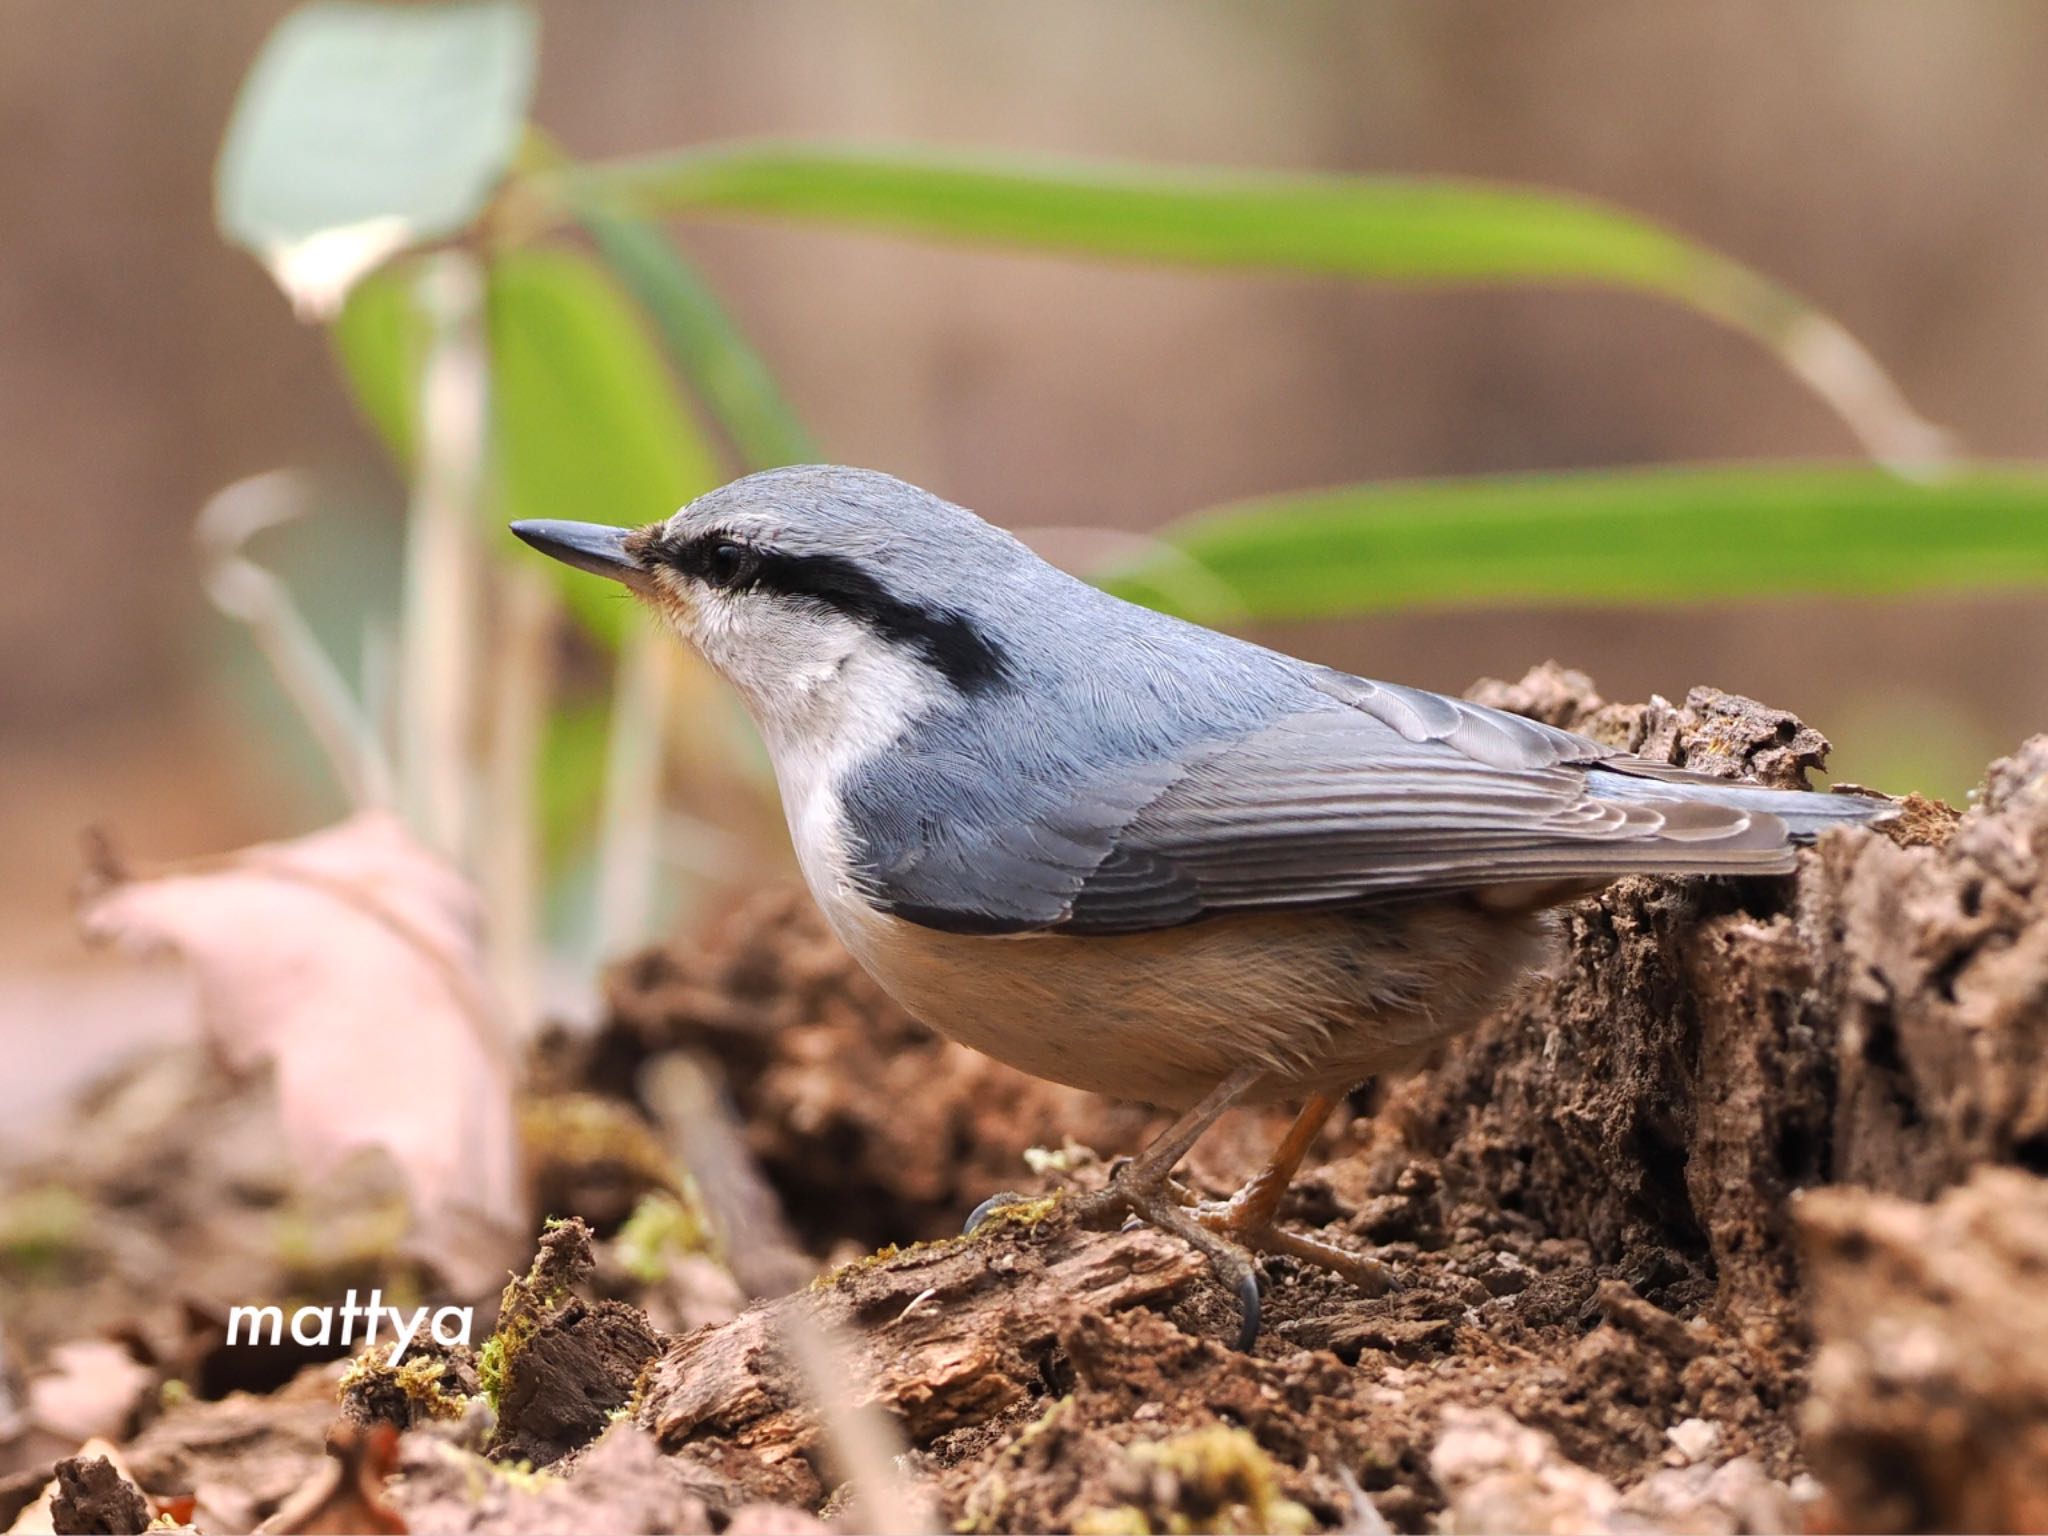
x,y
1884,159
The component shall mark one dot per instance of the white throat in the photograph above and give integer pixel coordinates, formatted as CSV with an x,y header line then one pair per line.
x,y
826,694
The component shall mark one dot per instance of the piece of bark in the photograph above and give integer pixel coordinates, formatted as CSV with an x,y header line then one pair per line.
x,y
1723,734
940,1337
435,1381
560,1366
92,1496
1704,1049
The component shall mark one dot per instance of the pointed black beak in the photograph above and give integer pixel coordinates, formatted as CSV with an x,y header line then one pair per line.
x,y
594,547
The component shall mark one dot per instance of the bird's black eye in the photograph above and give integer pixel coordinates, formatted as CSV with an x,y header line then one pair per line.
x,y
727,564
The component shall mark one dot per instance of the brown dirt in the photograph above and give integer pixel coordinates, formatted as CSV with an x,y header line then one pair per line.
x,y
1929,1403
1662,1260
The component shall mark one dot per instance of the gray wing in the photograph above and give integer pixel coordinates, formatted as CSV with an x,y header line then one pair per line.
x,y
1380,793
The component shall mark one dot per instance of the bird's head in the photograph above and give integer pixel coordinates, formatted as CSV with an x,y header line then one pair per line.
x,y
818,590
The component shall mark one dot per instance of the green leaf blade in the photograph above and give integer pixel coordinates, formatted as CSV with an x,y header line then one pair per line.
x,y
379,341
589,423
1387,227
1663,536
728,375
1397,229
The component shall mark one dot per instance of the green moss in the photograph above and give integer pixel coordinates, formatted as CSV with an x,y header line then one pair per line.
x,y
421,1380
520,1310
1044,1160
524,1475
1123,1520
492,1360
42,1230
1026,1213
1226,1483
988,1501
661,1229
322,1251
582,1130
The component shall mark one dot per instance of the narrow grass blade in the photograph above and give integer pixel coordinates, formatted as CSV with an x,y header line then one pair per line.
x,y
1629,537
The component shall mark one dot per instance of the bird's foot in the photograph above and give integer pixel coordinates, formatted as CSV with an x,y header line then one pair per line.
x,y
1143,1188
1162,1203
1255,1227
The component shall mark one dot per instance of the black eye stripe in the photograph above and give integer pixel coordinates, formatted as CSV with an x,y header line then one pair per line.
x,y
945,639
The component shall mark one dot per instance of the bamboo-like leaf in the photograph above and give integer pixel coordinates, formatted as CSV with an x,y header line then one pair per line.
x,y
380,342
589,423
1381,228
1664,536
720,364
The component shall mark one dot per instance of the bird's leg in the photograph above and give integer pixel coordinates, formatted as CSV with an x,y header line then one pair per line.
x,y
1147,1179
1145,1176
1249,1215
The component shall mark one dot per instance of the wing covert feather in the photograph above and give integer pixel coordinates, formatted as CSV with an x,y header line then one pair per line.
x,y
1367,792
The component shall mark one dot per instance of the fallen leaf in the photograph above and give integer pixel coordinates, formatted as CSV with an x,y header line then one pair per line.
x,y
352,960
93,1388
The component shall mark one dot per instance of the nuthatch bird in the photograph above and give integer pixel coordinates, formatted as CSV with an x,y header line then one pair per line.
x,y
1127,853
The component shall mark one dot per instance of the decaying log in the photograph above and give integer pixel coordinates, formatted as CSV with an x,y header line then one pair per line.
x,y
941,1336
1590,1200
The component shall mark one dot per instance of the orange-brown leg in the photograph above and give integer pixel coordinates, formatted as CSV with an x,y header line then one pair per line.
x,y
1249,1215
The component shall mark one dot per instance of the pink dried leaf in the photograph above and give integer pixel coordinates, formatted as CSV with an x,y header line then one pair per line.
x,y
351,959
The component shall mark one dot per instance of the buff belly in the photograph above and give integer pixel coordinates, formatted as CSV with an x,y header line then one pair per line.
x,y
1320,1001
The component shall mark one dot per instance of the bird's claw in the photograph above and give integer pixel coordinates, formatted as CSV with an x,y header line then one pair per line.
x,y
988,1208
1248,1305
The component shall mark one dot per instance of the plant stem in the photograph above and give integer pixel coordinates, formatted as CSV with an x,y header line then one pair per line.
x,y
629,838
439,630
244,590
508,860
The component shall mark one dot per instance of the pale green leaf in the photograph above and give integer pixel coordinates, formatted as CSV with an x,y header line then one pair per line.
x,y
363,129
